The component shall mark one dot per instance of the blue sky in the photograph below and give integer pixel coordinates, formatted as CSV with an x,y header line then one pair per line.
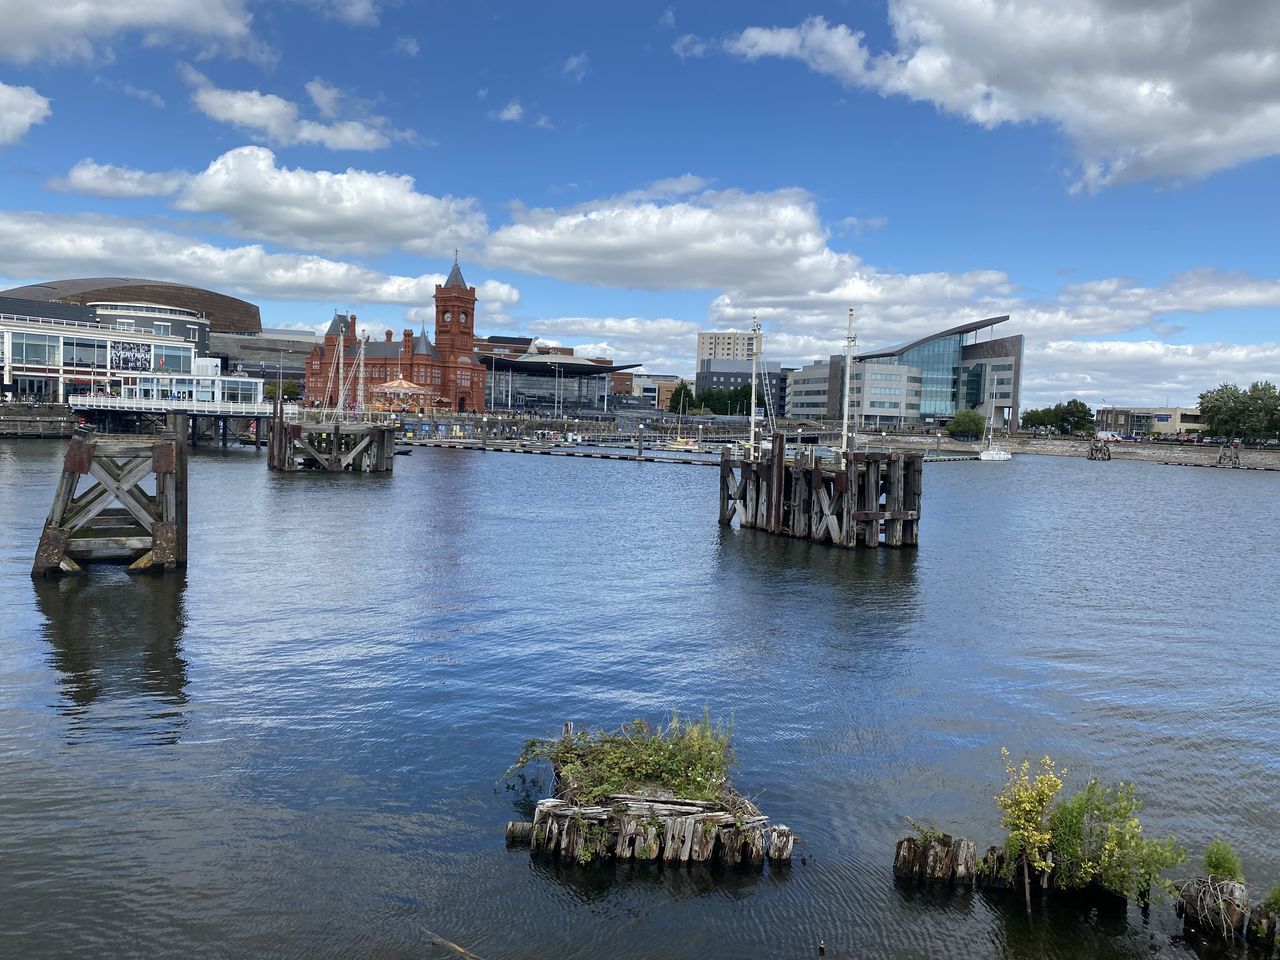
x,y
619,176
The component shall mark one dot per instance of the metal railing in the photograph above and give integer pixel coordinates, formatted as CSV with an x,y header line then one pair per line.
x,y
213,408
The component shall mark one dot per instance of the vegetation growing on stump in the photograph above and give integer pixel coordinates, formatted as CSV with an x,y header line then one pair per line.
x,y
689,759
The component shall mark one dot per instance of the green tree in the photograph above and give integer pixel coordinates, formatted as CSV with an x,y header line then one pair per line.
x,y
1262,411
682,399
1025,805
967,423
1073,416
1097,838
1223,410
292,389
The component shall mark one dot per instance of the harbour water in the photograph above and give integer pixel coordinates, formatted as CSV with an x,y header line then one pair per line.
x,y
297,749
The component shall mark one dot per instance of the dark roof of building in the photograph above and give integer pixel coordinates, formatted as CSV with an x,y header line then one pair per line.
x,y
47,310
546,364
902,348
511,341
455,277
340,325
382,350
226,314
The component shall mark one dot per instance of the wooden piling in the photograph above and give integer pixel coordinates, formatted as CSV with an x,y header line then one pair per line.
x,y
115,519
859,500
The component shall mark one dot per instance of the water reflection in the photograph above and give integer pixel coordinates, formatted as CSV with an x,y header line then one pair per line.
x,y
592,882
115,637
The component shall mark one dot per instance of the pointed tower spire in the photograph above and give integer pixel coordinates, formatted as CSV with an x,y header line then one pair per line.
x,y
455,275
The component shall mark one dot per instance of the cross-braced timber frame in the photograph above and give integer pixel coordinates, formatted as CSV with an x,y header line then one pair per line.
x,y
856,500
114,519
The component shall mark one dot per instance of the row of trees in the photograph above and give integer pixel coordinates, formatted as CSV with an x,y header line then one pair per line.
x,y
1252,414
1065,418
723,402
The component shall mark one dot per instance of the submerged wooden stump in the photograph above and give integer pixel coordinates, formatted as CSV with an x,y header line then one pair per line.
x,y
1262,927
945,859
1214,905
628,827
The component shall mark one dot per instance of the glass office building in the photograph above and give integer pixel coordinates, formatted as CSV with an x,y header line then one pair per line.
x,y
923,383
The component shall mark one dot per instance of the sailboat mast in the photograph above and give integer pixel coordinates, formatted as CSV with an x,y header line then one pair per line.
x,y
848,378
755,358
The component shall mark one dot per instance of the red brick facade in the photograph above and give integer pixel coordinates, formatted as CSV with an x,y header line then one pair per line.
x,y
446,371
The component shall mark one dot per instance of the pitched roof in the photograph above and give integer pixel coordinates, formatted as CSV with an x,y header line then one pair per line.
x,y
455,277
340,325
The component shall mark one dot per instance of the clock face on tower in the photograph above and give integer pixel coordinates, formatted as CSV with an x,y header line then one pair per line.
x,y
447,316
462,317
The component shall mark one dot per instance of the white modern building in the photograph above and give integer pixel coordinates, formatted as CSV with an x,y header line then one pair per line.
x,y
52,352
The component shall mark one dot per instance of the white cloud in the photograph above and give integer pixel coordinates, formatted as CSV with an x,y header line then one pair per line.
x,y
1140,373
325,96
544,122
39,246
575,67
1139,88
860,225
66,29
277,120
21,108
407,46
688,46
356,211
513,112
649,239
109,180
668,19
358,13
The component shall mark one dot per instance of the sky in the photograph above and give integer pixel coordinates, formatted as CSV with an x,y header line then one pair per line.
x,y
619,176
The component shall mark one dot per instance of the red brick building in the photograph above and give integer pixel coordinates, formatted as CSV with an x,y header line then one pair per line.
x,y
446,371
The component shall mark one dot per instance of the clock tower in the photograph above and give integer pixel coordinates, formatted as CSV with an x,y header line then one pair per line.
x,y
464,379
455,317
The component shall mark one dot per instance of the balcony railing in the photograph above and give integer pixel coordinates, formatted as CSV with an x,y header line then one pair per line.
x,y
213,408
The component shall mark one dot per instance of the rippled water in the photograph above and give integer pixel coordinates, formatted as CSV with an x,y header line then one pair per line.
x,y
296,751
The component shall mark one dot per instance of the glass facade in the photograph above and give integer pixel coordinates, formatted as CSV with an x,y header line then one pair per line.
x,y
939,363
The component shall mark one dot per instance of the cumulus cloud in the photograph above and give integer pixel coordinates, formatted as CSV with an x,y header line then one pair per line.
x,y
575,67
407,46
109,180
708,239
1140,88
688,46
513,112
278,121
355,211
65,30
38,245
21,108
358,13
668,19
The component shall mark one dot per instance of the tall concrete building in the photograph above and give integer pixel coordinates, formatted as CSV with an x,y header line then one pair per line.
x,y
727,345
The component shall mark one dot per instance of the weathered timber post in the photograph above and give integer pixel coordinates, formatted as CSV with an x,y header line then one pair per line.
x,y
893,502
777,482
727,485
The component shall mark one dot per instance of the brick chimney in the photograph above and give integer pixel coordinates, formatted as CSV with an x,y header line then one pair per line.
x,y
408,345
388,334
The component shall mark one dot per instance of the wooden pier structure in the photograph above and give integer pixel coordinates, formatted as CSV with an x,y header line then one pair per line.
x,y
859,499
331,444
115,519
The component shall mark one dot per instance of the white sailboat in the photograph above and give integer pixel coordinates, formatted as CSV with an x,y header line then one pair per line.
x,y
993,450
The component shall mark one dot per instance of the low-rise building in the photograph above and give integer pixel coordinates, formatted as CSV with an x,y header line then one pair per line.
x,y
1161,421
731,374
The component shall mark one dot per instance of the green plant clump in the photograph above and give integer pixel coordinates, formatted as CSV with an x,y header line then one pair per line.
x,y
1222,861
690,759
1097,838
1272,902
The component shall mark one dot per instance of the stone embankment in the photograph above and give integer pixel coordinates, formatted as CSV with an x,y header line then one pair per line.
x,y
1199,454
